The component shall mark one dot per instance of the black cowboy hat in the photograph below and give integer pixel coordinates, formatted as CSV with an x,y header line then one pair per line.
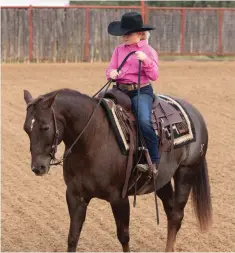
x,y
130,22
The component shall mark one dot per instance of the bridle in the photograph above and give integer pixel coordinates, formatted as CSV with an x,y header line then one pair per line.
x,y
56,135
56,139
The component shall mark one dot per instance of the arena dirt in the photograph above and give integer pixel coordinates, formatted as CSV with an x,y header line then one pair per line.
x,y
34,210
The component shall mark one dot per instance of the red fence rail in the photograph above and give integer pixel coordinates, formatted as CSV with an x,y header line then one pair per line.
x,y
178,32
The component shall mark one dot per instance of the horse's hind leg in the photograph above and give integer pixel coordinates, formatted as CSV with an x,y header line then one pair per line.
x,y
121,212
174,203
166,194
77,211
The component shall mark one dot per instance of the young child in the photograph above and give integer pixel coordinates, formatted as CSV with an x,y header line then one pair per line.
x,y
135,37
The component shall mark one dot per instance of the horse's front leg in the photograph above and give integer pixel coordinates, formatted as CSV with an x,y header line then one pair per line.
x,y
121,212
77,211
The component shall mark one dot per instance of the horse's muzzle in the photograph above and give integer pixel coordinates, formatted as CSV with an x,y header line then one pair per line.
x,y
39,170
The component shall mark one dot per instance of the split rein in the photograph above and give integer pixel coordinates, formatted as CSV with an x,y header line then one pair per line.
x,y
56,137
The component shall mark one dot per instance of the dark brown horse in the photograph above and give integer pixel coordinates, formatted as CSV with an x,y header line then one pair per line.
x,y
96,168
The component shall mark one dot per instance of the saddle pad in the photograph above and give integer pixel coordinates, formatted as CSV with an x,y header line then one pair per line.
x,y
184,131
115,116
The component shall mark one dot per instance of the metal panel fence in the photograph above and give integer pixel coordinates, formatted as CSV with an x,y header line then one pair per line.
x,y
79,33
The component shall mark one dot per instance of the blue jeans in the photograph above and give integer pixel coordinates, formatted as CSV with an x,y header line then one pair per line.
x,y
145,122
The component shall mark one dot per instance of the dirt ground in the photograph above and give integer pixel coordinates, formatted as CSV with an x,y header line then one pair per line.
x,y
34,210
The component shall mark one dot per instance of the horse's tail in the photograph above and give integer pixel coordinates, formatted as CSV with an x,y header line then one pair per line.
x,y
201,198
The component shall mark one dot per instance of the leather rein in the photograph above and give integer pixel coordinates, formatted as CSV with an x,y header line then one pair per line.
x,y
56,135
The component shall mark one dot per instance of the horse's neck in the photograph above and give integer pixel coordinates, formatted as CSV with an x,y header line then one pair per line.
x,y
76,113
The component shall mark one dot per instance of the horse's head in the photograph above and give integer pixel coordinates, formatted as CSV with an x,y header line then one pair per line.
x,y
40,125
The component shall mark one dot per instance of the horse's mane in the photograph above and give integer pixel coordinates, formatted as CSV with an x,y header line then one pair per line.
x,y
65,92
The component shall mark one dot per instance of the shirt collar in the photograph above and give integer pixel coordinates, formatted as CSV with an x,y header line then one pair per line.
x,y
141,43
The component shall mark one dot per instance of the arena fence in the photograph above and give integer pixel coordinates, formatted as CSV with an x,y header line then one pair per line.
x,y
79,33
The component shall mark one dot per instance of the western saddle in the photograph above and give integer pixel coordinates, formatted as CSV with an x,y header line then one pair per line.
x,y
163,115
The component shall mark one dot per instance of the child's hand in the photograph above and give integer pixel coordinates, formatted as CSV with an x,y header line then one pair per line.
x,y
140,55
114,74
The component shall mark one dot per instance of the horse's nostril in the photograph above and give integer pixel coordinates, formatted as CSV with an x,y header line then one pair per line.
x,y
39,169
36,170
42,167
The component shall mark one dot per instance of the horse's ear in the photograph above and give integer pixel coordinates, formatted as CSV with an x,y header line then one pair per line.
x,y
27,96
47,103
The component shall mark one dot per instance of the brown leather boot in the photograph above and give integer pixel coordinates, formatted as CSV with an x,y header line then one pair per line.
x,y
142,167
145,168
155,169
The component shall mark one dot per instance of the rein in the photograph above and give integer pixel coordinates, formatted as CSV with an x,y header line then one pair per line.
x,y
56,137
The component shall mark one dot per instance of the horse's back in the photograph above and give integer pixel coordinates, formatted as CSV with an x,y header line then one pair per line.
x,y
198,148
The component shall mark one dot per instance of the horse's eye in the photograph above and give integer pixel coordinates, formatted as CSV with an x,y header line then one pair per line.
x,y
44,128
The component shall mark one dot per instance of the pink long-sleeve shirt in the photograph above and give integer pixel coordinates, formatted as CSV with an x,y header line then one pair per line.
x,y
129,71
